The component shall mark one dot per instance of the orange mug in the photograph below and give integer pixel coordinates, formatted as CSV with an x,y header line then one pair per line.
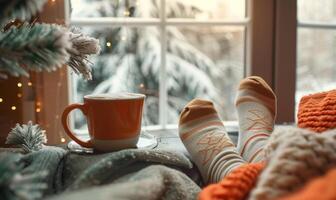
x,y
114,120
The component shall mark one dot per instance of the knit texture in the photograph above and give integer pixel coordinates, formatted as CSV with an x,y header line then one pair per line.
x,y
256,106
204,136
313,190
294,156
236,185
318,111
126,174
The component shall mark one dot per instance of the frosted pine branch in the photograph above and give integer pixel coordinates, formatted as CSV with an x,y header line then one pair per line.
x,y
40,47
30,137
19,9
82,47
45,47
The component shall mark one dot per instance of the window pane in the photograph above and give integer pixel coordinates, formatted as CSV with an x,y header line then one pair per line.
x,y
204,62
316,71
129,62
317,10
115,8
204,10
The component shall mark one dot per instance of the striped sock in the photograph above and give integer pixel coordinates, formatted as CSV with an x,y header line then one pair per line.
x,y
203,134
256,105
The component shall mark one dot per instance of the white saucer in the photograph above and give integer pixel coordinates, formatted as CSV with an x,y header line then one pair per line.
x,y
146,141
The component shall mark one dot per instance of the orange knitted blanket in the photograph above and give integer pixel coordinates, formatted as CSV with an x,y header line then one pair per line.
x,y
234,186
318,111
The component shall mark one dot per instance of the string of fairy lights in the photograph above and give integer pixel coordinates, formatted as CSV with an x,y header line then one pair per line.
x,y
38,101
19,95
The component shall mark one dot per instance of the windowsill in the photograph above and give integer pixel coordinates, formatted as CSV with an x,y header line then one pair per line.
x,y
171,132
230,126
168,138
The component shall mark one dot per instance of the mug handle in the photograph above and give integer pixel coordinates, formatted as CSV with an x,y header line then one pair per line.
x,y
65,114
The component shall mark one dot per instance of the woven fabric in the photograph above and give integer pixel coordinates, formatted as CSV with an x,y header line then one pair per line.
x,y
125,174
236,185
317,112
295,156
313,190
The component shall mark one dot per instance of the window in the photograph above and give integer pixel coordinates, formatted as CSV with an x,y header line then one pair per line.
x,y
172,51
175,50
316,47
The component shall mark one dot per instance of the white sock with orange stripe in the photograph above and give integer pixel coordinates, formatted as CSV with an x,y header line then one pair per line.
x,y
205,138
256,105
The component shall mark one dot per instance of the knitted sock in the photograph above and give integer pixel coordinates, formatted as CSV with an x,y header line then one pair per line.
x,y
256,105
203,134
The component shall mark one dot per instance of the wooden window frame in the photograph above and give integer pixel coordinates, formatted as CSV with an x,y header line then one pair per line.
x,y
272,50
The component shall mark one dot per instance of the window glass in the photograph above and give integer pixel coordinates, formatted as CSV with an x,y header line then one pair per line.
x,y
204,62
201,61
115,8
205,10
129,62
316,52
316,71
317,10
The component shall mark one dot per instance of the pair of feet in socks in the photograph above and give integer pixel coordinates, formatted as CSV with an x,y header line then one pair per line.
x,y
204,135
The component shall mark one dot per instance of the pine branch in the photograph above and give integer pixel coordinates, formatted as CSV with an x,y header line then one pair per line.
x,y
30,137
45,47
19,9
40,47
82,47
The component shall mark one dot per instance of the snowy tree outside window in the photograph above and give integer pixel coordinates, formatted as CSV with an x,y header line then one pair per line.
x,y
205,61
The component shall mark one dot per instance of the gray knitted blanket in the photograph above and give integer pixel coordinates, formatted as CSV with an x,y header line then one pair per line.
x,y
54,173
